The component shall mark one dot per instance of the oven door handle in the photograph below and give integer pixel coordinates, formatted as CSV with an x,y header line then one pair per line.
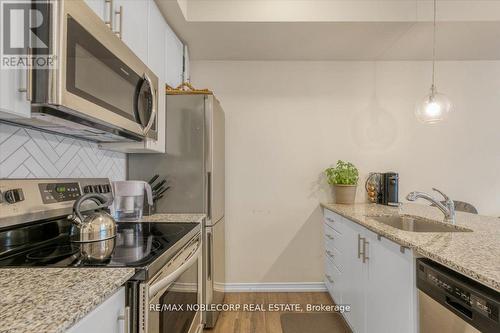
x,y
167,280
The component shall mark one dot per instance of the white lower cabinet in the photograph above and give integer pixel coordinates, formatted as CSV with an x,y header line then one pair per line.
x,y
108,317
373,275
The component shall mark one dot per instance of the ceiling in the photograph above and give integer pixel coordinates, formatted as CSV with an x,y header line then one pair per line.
x,y
392,32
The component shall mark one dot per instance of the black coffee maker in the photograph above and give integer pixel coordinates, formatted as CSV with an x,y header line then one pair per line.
x,y
383,188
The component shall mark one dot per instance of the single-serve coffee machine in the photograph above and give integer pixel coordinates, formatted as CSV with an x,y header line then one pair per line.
x,y
383,188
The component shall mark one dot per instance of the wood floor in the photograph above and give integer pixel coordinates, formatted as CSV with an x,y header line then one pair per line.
x,y
262,322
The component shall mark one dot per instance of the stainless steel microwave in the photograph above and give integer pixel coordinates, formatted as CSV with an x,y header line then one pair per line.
x,y
98,89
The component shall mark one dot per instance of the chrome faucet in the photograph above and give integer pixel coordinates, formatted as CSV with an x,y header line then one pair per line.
x,y
448,208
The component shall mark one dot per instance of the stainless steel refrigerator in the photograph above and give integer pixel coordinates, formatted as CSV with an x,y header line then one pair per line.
x,y
194,166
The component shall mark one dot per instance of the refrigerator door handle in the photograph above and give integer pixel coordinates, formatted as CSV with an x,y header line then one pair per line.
x,y
209,196
209,256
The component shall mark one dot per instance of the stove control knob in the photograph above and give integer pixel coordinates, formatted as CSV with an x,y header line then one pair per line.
x,y
13,196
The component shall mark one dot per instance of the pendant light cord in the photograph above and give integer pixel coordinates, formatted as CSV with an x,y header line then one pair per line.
x,y
434,46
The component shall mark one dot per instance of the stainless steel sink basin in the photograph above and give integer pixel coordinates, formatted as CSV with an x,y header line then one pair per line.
x,y
417,224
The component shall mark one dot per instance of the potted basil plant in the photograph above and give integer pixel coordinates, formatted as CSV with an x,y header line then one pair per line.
x,y
344,178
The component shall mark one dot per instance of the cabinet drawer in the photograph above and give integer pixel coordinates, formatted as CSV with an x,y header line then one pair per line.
x,y
330,233
333,220
332,280
334,256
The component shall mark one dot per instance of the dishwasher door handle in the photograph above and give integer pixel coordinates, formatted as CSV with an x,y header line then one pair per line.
x,y
457,307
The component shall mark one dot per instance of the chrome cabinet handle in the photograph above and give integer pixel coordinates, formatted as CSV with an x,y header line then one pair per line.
x,y
359,246
119,32
25,89
29,78
329,236
365,257
109,22
126,319
329,278
330,254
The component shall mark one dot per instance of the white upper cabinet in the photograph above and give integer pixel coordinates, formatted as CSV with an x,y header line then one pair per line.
x,y
157,28
175,58
157,61
13,94
151,34
99,7
14,89
131,21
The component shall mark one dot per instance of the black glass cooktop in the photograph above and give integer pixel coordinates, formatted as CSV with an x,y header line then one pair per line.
x,y
47,244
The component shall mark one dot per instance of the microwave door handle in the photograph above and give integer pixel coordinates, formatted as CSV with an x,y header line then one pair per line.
x,y
155,106
167,280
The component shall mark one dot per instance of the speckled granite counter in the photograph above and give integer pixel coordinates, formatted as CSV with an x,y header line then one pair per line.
x,y
50,300
475,254
174,218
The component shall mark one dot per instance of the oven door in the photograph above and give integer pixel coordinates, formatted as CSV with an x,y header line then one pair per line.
x,y
97,78
169,302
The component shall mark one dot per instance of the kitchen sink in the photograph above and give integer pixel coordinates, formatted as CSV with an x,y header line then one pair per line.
x,y
417,224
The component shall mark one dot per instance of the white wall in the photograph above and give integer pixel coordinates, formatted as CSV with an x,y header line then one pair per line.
x,y
287,121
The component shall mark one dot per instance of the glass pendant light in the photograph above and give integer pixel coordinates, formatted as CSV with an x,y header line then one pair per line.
x,y
436,106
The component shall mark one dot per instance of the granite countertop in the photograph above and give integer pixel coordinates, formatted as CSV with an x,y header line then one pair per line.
x,y
160,217
475,254
51,300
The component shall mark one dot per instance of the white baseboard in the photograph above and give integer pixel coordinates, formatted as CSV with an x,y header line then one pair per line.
x,y
276,287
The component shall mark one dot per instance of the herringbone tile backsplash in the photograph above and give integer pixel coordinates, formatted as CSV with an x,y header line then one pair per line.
x,y
27,153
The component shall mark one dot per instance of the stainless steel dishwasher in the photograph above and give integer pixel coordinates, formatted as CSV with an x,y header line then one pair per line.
x,y
452,303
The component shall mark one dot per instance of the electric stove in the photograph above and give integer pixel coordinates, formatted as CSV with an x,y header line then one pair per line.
x,y
34,230
47,244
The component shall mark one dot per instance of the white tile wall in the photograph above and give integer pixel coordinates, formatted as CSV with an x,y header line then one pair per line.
x,y
27,153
